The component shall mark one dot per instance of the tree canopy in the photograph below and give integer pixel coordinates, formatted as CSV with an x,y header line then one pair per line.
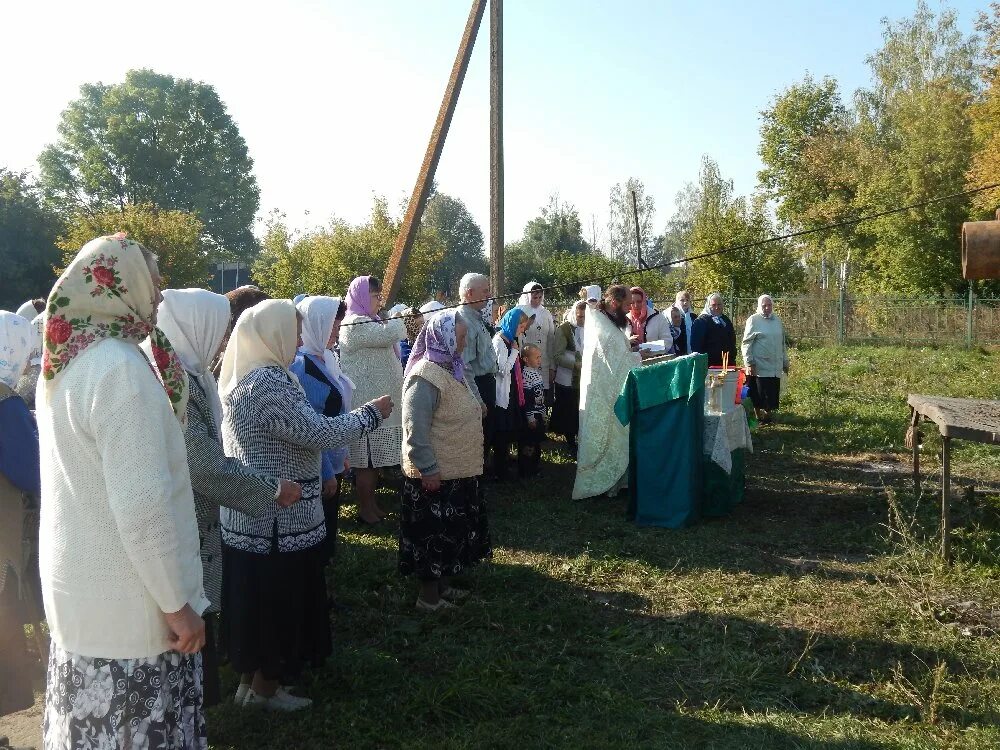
x,y
451,221
28,232
154,139
325,261
175,237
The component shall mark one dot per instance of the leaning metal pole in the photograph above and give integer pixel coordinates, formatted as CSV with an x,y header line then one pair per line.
x,y
496,148
415,209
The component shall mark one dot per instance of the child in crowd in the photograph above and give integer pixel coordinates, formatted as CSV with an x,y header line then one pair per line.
x,y
529,452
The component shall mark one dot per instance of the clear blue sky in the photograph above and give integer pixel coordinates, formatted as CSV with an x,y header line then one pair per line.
x,y
336,99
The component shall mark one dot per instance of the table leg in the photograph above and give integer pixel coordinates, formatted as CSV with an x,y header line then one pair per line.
x,y
914,426
946,498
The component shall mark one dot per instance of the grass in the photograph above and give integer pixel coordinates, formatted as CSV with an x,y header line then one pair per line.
x,y
813,617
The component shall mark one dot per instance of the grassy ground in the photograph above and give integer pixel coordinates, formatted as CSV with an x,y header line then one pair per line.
x,y
812,617
802,621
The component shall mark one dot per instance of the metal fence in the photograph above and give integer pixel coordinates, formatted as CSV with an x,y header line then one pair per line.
x,y
847,319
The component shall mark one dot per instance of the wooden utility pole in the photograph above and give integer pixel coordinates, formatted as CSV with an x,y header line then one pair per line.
x,y
496,148
425,178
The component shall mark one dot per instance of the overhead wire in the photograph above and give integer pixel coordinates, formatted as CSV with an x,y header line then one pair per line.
x,y
729,249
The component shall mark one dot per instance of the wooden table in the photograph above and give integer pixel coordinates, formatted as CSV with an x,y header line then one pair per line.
x,y
956,419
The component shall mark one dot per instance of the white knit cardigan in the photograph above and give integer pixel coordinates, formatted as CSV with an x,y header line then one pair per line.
x,y
119,536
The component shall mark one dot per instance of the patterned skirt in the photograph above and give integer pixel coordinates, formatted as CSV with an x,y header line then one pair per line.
x,y
115,704
445,532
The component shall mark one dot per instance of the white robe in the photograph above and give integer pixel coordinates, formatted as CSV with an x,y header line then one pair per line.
x,y
602,460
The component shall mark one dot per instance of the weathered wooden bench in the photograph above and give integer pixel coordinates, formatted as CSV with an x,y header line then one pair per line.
x,y
957,419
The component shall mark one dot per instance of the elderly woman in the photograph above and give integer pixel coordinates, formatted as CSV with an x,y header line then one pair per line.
x,y
19,491
275,601
121,574
195,322
766,357
443,527
510,400
317,366
713,333
568,356
240,299
369,348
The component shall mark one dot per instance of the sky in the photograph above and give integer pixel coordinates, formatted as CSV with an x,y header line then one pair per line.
x,y
336,99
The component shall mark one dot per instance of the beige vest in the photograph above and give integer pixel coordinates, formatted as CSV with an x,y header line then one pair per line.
x,y
457,427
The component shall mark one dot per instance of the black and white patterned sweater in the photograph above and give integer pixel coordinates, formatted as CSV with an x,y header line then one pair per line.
x,y
270,426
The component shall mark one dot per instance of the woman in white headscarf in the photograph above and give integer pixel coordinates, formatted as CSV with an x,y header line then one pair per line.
x,y
766,357
31,308
275,599
195,321
19,480
541,332
29,379
713,333
568,358
329,390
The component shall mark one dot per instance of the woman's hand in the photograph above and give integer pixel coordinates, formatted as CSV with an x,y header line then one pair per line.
x,y
330,487
289,493
187,630
431,482
384,406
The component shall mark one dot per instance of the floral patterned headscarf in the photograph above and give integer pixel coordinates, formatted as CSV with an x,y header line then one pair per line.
x,y
438,342
107,292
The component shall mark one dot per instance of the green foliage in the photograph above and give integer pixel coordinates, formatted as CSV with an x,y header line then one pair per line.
x,y
28,232
175,236
556,230
158,140
451,221
722,220
325,261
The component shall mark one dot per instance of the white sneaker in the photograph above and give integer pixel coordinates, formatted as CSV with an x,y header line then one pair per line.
x,y
241,693
280,701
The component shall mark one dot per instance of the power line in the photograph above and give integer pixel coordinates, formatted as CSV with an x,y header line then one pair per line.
x,y
734,248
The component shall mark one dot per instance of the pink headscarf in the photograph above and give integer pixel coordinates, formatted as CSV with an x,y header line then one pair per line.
x,y
359,302
359,298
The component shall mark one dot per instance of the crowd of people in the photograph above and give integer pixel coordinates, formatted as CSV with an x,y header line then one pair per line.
x,y
172,464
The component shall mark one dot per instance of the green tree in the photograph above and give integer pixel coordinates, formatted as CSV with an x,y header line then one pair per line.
x,y
449,218
158,140
325,261
28,233
175,236
723,220
556,229
806,134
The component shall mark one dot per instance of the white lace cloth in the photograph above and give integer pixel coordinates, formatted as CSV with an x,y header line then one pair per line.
x,y
723,434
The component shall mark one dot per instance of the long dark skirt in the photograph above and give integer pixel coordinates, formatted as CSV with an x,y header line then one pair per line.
x,y
765,392
16,671
442,533
274,611
210,686
566,412
331,512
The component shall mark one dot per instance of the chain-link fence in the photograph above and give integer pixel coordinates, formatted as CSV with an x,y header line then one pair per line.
x,y
947,320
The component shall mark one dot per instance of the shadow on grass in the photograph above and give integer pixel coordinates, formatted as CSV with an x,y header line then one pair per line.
x,y
533,661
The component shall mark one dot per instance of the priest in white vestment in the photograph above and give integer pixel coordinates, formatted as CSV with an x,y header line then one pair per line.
x,y
602,461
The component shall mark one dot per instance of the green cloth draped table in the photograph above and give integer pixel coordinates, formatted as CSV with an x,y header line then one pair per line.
x,y
664,405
